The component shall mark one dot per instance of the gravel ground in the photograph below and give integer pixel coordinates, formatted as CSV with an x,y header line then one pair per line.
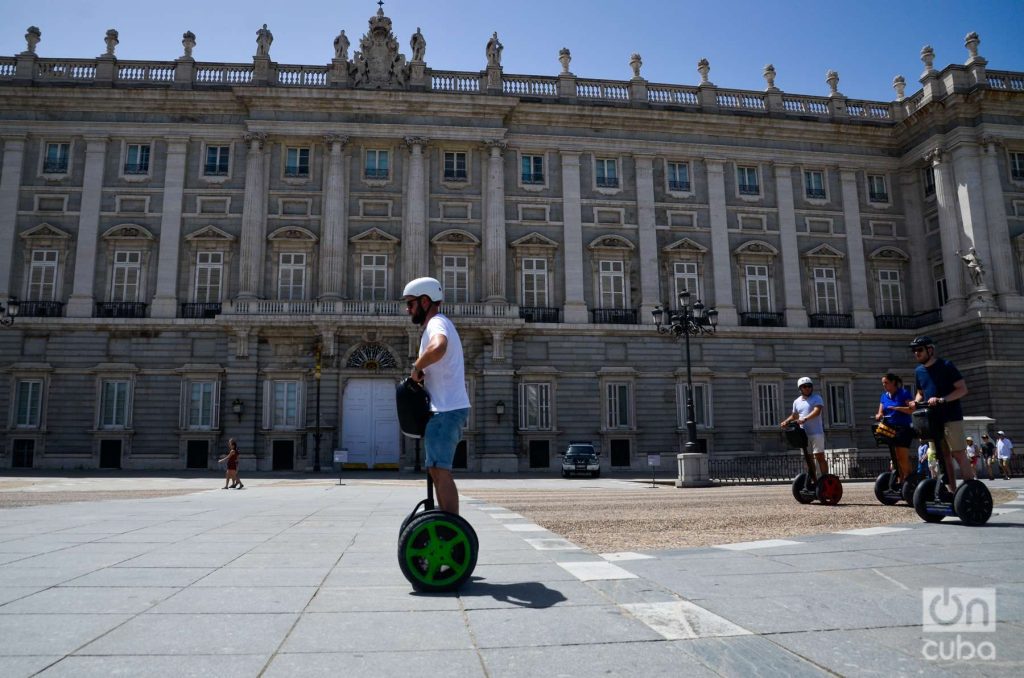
x,y
664,517
14,499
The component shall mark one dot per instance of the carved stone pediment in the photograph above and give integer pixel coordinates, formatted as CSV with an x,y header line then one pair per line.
x,y
378,64
455,236
889,253
611,242
128,232
758,247
825,251
210,233
292,233
374,235
685,246
535,240
45,231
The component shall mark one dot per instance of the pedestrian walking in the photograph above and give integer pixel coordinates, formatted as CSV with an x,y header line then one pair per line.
x,y
1004,450
988,455
231,474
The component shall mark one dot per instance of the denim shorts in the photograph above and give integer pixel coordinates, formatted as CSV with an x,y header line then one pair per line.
x,y
444,431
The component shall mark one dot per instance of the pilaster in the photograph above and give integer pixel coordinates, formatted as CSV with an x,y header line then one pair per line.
x,y
80,304
721,256
920,273
863,318
796,312
415,244
998,229
254,218
334,231
945,199
165,302
494,225
648,239
971,201
575,308
10,186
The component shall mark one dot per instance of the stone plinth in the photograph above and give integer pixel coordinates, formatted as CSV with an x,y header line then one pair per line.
x,y
692,470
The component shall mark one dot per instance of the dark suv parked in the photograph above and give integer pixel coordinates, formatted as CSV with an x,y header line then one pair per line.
x,y
581,457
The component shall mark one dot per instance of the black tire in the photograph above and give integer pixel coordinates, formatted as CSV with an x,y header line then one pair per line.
x,y
924,494
798,489
437,551
973,503
909,485
882,489
829,490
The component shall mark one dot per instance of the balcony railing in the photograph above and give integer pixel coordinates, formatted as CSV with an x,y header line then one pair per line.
x,y
762,319
136,168
750,189
830,319
878,197
533,177
607,182
41,309
200,310
55,167
816,193
120,309
908,322
614,316
675,185
539,314
378,173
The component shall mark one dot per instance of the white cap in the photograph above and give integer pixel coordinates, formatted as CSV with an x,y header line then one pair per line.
x,y
803,381
1000,433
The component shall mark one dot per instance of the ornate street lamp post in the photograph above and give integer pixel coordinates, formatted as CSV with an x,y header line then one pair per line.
x,y
689,320
7,315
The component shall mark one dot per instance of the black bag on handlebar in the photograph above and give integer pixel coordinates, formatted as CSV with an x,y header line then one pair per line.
x,y
927,423
413,403
796,436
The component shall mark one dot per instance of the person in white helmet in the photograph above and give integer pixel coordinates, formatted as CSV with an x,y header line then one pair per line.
x,y
807,409
439,367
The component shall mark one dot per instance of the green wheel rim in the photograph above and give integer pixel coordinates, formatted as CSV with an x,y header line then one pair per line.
x,y
438,553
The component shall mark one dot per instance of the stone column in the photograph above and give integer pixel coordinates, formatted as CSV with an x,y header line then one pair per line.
x,y
575,307
971,200
80,304
165,302
10,185
495,245
721,255
254,219
649,295
334,229
920,269
862,315
796,312
415,243
1001,262
945,199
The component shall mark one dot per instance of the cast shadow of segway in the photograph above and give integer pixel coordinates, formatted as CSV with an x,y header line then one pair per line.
x,y
522,594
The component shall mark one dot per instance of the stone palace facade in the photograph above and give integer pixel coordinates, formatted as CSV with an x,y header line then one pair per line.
x,y
203,251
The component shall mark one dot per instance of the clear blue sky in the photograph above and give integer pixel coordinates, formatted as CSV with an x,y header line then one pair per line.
x,y
867,41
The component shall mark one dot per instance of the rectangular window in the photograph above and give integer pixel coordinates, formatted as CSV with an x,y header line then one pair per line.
x,y
618,405
747,181
768,405
826,293
678,176
127,275
535,406
455,278
612,284
378,165
29,398
209,276
758,297
42,276
814,184
201,405
533,169
57,158
296,162
685,279
941,292
606,172
114,405
877,189
136,159
535,283
286,404
291,284
455,166
217,158
1017,166
701,405
838,405
373,277
890,292
928,177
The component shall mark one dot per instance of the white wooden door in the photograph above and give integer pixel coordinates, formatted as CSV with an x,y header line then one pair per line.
x,y
370,423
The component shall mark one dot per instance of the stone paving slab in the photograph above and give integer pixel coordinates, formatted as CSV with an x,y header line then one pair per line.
x,y
293,580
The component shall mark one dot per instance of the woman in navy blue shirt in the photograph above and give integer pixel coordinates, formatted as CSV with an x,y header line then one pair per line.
x,y
894,409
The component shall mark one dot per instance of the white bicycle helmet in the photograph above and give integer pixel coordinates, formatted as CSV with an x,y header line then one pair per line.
x,y
419,287
804,381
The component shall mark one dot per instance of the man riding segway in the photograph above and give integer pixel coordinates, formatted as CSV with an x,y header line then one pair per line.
x,y
804,429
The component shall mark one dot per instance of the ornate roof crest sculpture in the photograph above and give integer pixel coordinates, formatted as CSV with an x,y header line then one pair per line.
x,y
378,64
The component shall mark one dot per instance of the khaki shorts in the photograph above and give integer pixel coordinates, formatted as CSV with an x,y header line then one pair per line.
x,y
953,436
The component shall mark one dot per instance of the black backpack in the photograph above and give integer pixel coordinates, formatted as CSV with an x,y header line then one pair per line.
x,y
413,403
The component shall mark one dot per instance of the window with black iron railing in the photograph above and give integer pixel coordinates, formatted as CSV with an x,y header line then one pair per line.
x,y
55,167
136,168
678,185
539,314
41,309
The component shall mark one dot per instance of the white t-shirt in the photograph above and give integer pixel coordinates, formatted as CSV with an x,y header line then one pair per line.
x,y
804,406
445,380
1004,447
972,451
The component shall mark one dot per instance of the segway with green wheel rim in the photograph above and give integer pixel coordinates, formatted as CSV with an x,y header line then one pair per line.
x,y
437,550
